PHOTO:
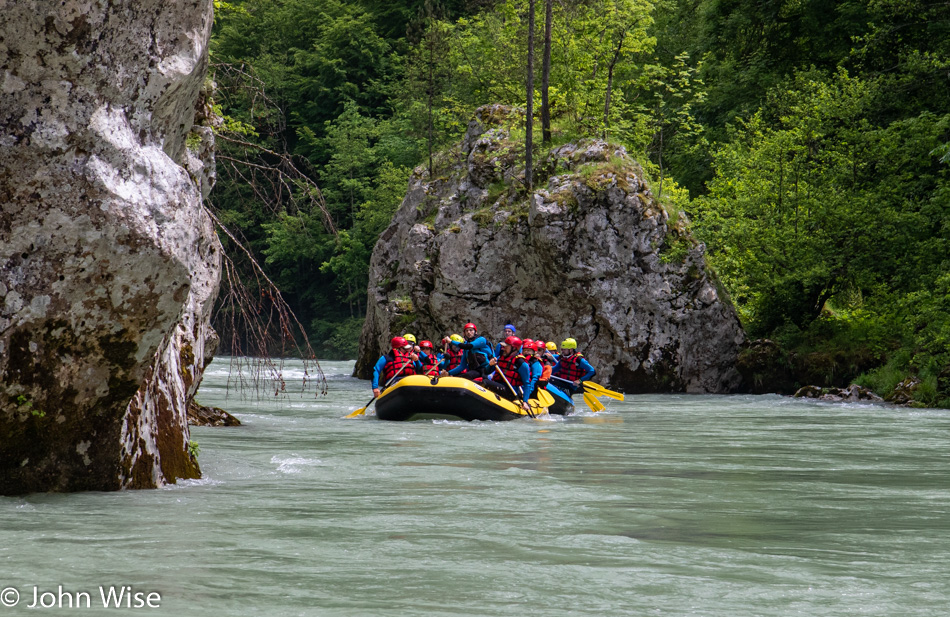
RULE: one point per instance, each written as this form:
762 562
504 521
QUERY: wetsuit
475 357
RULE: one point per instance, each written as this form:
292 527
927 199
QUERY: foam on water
293 463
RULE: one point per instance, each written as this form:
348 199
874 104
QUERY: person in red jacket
398 363
453 353
516 371
428 359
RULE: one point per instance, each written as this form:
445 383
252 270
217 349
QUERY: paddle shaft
392 379
598 390
565 380
510 387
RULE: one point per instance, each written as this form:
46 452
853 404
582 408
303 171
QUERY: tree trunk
529 120
431 92
546 75
610 81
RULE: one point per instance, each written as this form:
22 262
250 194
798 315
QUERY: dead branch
261 330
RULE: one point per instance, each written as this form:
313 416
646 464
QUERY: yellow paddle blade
538 409
545 398
361 410
599 390
357 413
593 403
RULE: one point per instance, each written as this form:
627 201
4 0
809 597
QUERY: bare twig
254 321
260 329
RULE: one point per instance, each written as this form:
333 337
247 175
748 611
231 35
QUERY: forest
807 142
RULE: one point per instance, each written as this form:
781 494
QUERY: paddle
598 389
508 383
545 398
362 410
593 403
595 388
538 408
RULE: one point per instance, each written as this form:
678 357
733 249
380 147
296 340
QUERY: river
674 505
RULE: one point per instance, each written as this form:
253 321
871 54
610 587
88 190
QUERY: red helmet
528 342
529 346
514 341
470 325
398 342
425 345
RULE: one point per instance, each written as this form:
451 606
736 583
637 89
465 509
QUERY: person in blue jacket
509 331
518 381
477 352
572 368
529 351
396 364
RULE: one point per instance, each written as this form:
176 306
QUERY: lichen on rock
105 248
582 255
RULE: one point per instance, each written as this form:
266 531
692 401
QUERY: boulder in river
904 392
108 262
590 253
200 415
852 394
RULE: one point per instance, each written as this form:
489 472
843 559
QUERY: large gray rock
590 254
108 262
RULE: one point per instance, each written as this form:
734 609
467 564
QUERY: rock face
590 254
108 262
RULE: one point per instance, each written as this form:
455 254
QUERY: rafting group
468 378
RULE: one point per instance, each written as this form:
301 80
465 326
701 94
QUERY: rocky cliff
108 262
589 254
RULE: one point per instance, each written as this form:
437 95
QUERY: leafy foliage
808 142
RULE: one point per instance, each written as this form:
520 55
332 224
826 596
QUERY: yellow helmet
409 338
569 344
552 346
456 338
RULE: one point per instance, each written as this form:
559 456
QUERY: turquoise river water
675 505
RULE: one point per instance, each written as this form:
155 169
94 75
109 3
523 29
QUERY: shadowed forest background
806 141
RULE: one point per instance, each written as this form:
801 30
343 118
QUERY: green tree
811 199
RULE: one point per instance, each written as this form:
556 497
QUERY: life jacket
509 366
395 360
569 369
430 364
454 356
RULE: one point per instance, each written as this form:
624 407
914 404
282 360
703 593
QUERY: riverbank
896 375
